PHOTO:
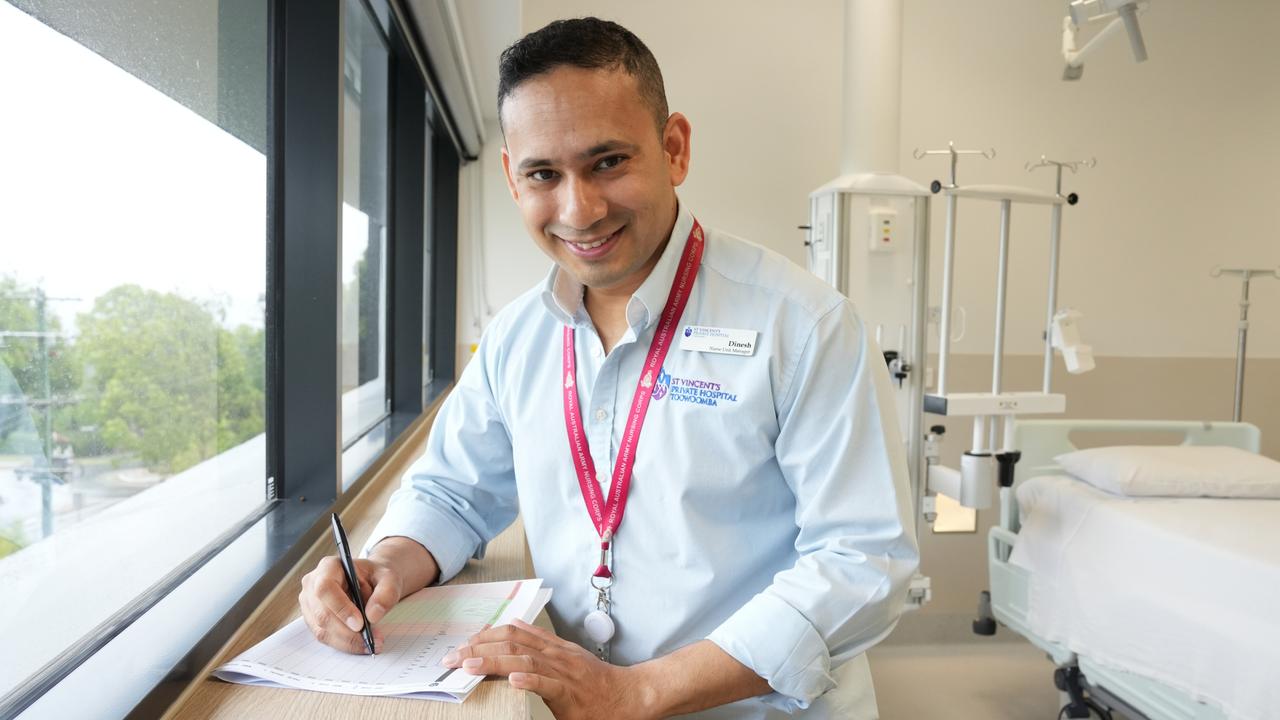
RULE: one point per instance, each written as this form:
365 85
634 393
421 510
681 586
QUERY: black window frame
303 403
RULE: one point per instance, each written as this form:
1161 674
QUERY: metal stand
1246 275
990 460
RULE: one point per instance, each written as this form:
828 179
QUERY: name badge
726 341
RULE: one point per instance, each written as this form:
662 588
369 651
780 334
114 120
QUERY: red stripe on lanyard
606 514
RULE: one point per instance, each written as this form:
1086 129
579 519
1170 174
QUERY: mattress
1185 591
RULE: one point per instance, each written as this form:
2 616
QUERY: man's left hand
573 682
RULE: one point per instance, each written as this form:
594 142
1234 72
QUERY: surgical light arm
1120 13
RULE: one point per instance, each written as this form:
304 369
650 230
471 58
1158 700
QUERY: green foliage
21 357
11 539
167 382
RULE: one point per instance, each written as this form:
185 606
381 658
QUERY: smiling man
737 557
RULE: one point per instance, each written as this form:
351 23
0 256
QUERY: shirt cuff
443 536
780 645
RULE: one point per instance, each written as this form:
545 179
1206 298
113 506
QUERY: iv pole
1246 274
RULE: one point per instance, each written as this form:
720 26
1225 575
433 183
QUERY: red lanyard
606 513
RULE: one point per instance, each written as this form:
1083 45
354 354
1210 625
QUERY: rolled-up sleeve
461 493
841 453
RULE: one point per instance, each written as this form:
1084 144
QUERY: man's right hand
327 608
395 567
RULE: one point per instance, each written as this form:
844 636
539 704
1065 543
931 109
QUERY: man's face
594 180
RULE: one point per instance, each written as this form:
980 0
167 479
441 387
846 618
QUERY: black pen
353 582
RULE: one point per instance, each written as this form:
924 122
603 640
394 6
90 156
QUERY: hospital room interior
1166 158
1057 219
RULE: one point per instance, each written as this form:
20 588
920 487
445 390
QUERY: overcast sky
107 181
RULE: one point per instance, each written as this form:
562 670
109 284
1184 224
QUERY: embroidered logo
691 390
664 382
688 331
647 381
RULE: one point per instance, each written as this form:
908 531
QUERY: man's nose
581 205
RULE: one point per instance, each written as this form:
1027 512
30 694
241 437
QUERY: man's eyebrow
607 146
528 163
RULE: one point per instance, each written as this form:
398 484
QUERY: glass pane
364 224
133 240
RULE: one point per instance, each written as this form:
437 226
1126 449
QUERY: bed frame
1040 441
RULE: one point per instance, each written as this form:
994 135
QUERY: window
132 292
172 263
365 140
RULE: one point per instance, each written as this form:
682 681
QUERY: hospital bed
1097 630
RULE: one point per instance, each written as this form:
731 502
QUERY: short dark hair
589 43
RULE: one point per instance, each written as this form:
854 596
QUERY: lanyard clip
602 578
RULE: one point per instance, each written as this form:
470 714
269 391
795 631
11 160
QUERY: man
767 538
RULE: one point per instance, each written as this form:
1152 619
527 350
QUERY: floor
964 681
959 681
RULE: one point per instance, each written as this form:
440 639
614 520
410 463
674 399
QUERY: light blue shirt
769 509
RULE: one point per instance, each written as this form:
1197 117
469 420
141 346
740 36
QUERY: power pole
44 469
46 477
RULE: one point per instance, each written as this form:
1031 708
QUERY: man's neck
608 313
607 307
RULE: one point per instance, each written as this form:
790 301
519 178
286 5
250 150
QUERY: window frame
227 581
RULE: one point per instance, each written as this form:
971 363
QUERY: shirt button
596 351
602 414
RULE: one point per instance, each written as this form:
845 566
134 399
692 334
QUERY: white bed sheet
1182 590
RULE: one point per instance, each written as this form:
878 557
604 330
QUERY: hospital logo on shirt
691 390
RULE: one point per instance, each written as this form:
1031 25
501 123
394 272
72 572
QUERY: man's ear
675 146
506 170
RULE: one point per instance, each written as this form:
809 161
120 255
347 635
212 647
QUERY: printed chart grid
419 631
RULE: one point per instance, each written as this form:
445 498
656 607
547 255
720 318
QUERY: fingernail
354 623
451 659
516 678
472 663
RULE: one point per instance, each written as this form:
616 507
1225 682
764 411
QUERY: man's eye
610 162
542 175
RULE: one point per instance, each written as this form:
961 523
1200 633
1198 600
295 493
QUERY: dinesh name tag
727 341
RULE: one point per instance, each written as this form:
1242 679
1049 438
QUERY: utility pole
46 478
44 469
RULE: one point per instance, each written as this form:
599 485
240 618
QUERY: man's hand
573 682
395 564
327 608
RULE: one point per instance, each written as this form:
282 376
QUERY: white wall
1186 143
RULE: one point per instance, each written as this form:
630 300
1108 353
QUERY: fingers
385 593
332 596
328 611
535 630
332 632
551 689
511 633
504 664
474 651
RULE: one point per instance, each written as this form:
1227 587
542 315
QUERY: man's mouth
592 247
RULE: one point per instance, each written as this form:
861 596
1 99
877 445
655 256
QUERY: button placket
604 395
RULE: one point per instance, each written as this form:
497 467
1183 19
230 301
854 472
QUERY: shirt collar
562 294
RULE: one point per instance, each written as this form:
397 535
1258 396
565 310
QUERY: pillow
1176 471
